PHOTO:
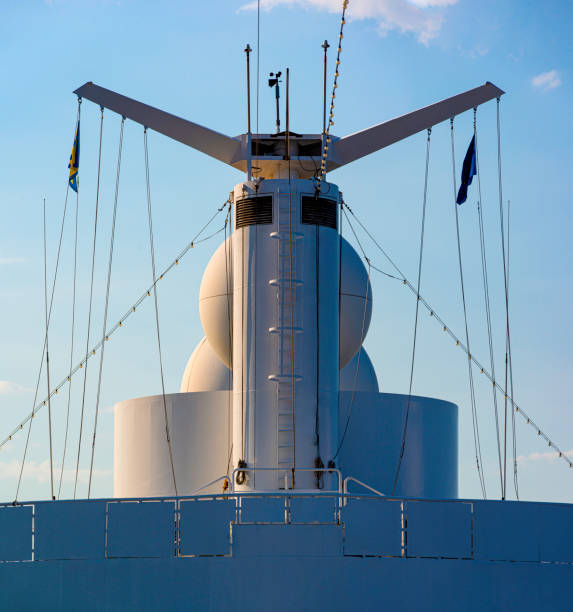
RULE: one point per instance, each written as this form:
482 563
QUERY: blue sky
187 58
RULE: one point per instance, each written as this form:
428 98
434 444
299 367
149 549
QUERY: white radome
205 371
216 302
355 314
363 381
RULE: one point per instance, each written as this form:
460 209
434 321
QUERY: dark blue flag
469 170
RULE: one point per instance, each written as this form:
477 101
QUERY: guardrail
287 484
356 525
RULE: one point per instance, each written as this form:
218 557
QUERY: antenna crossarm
353 147
214 144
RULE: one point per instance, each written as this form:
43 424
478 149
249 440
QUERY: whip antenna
325 46
249 134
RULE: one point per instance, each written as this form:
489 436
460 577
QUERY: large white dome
216 302
355 309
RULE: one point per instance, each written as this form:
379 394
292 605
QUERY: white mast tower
285 304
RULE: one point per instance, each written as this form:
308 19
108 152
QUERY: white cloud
40 472
422 18
7 387
547 80
6 261
549 456
426 3
478 51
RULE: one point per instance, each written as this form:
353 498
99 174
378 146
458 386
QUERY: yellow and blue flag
74 164
469 170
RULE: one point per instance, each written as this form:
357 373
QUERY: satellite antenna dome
355 303
363 381
206 372
216 301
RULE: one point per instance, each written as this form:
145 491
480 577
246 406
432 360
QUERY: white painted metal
353 147
205 371
216 301
306 149
265 386
355 303
199 427
269 300
203 139
359 374
373 438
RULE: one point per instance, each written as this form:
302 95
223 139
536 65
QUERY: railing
327 471
304 522
360 483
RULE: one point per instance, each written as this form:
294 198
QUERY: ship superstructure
280 477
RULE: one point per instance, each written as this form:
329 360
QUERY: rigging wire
327 139
71 343
106 307
489 332
420 259
486 296
35 407
152 254
318 459
229 325
459 343
477 444
48 357
90 305
514 438
340 245
111 330
505 284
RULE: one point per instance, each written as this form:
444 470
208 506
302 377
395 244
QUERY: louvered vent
319 211
254 211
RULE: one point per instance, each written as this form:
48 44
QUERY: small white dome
366 379
216 301
205 371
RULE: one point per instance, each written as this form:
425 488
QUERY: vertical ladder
286 329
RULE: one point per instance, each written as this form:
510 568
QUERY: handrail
363 484
282 469
225 476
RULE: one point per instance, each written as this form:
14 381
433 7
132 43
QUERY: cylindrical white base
371 447
199 428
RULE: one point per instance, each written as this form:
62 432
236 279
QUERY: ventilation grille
254 211
319 211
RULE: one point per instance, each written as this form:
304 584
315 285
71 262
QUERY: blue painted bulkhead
286 552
